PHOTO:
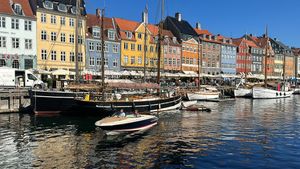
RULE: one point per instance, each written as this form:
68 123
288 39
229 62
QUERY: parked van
10 77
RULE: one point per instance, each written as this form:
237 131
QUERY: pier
13 100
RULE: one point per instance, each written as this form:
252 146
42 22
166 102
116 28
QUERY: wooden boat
204 94
127 122
264 93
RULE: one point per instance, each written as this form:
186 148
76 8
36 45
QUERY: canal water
236 134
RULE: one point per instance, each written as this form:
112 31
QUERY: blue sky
228 17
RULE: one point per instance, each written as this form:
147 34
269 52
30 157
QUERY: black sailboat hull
52 102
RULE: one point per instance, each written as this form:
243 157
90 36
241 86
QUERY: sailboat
132 103
264 92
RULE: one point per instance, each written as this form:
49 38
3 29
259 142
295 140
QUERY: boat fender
280 94
276 94
284 94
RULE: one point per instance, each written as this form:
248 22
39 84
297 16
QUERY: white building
17 34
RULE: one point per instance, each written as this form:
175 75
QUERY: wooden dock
13 100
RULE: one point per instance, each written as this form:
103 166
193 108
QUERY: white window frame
27 25
43 18
2 22
63 56
53 19
111 35
44 54
53 55
43 35
115 48
115 63
2 42
63 37
15 43
63 20
91 46
72 38
53 36
71 22
28 43
92 61
14 23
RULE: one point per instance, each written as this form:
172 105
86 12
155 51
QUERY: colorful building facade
56 29
94 44
228 55
17 34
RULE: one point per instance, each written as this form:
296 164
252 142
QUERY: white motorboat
265 93
127 122
186 104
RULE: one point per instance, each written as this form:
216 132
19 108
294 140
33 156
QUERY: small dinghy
122 122
198 108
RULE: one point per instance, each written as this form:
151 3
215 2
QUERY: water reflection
237 134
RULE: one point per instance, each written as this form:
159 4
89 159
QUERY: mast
199 64
76 41
102 54
284 69
145 43
266 55
160 38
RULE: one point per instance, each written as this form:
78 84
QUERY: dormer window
18 9
62 8
73 10
48 5
128 35
174 40
96 32
111 35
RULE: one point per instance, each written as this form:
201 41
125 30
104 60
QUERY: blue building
94 46
228 55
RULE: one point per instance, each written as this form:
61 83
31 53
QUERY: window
92 61
28 64
48 5
140 60
126 46
80 58
132 60
28 44
43 35
62 21
115 48
53 19
2 63
115 63
71 39
14 23
105 47
53 36
2 22
128 34
2 42
98 61
63 56
27 25
132 47
53 55
139 47
62 8
126 59
106 62
44 54
151 49
91 46
170 61
43 18
15 43
18 9
80 23
96 32
71 23
111 35
166 61
72 57
139 35
63 37
15 64
98 47
80 39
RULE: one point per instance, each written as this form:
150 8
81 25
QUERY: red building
243 59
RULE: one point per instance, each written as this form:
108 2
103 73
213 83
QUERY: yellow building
56 23
132 36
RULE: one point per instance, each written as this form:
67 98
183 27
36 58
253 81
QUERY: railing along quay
13 100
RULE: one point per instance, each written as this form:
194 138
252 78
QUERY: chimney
178 16
251 35
275 39
224 40
209 37
230 41
145 17
98 12
198 25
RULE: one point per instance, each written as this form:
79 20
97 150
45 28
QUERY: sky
231 18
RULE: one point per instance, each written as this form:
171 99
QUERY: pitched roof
69 4
183 26
6 7
127 25
201 32
93 20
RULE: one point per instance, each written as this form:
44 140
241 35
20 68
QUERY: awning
62 72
